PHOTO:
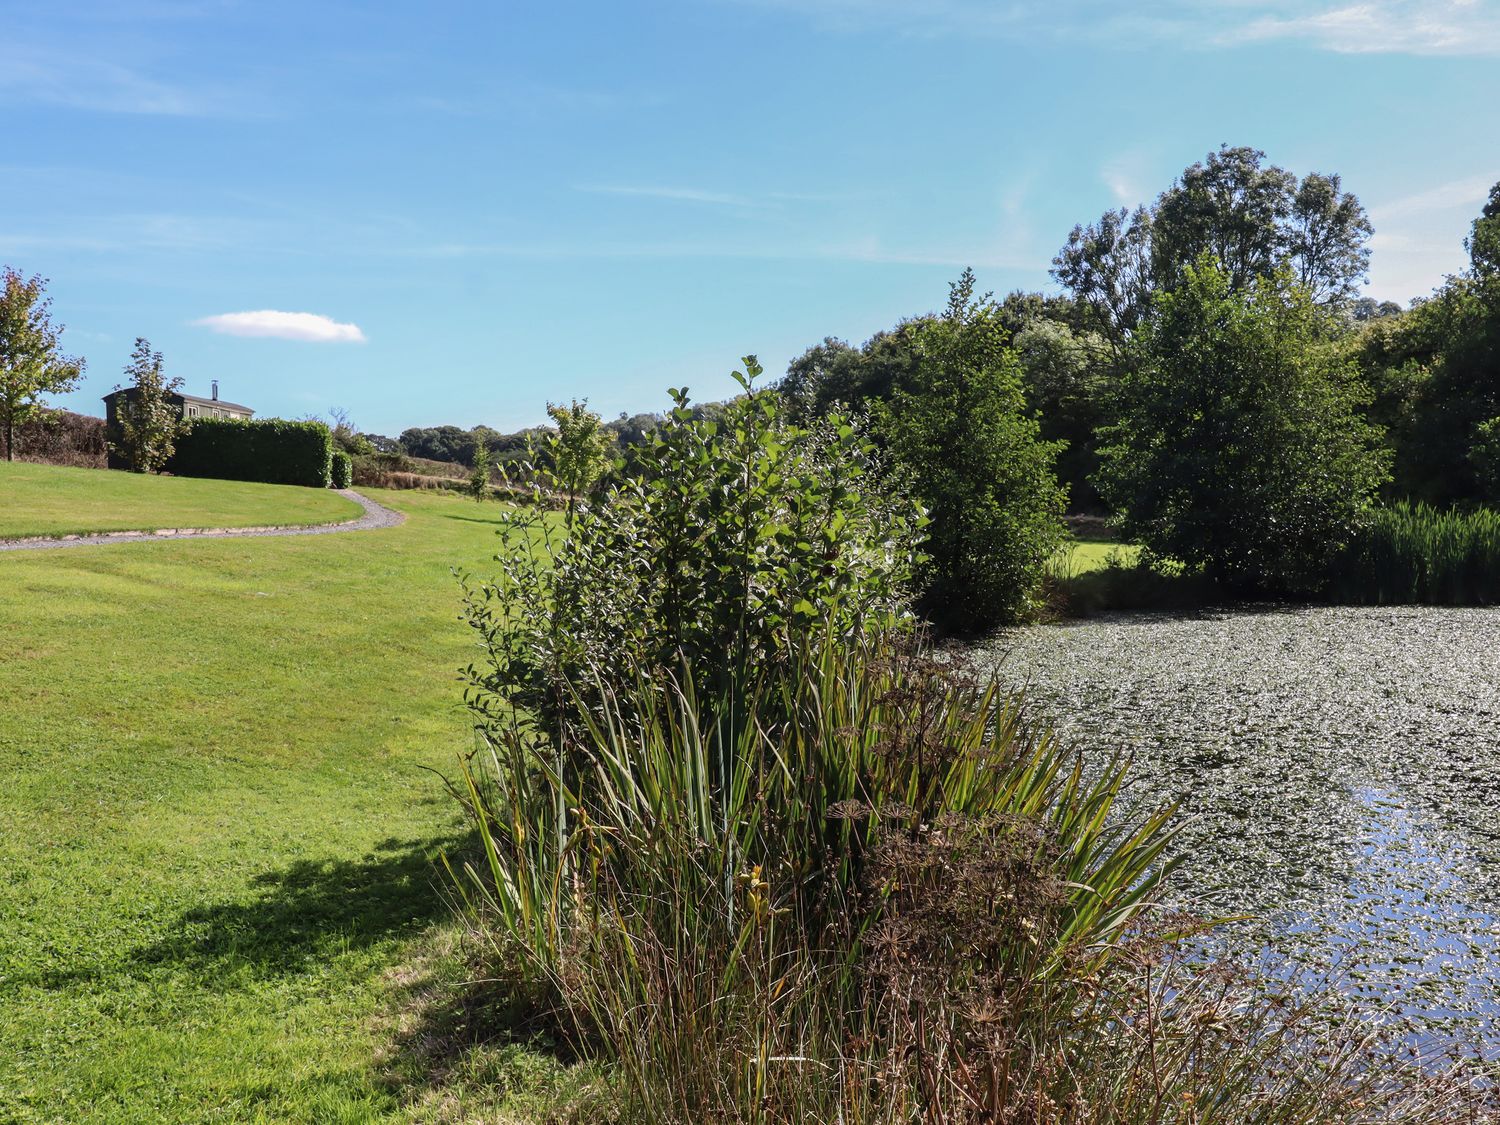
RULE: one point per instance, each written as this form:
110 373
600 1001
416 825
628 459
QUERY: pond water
1338 776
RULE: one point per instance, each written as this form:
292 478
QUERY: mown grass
216 833
51 500
1084 556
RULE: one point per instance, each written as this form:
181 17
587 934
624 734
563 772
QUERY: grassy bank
216 828
51 500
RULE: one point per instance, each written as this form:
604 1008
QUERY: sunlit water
1338 772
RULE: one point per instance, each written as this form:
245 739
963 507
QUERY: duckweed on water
1338 771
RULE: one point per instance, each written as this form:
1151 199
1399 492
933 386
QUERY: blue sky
475 208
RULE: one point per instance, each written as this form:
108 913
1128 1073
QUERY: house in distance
190 407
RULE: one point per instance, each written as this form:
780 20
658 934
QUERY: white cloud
284 326
1413 27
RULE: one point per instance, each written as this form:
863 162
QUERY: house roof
197 401
213 402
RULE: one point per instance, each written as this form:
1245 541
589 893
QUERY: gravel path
375 517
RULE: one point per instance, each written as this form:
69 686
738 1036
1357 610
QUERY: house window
192 412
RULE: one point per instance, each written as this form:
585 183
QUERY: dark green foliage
1068 380
1239 447
1433 371
1414 554
439 443
835 377
342 469
718 537
1252 218
1484 458
272 450
960 434
478 484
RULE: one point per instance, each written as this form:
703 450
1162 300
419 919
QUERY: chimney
216 390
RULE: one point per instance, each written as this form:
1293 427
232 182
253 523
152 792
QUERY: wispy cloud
1414 27
1419 237
35 74
1467 193
674 194
1407 27
868 248
271 323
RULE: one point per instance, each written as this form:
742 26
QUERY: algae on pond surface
1338 772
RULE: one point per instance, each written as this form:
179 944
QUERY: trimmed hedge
343 469
271 450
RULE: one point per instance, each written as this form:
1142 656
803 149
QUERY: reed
1415 554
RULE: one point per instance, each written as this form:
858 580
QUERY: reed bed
1415 554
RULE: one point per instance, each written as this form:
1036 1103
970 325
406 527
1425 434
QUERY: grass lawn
216 836
50 500
1082 556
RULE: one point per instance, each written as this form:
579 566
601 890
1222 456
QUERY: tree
148 423
834 375
346 435
479 479
1250 217
959 430
1433 370
1484 240
578 453
1067 378
1239 447
31 362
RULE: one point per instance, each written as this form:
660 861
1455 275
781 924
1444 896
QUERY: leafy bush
719 541
1415 554
959 430
342 469
271 450
1239 447
1484 459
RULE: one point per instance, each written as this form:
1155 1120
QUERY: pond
1338 777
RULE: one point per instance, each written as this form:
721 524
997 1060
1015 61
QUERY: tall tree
1251 217
31 359
1434 369
959 429
1240 447
149 423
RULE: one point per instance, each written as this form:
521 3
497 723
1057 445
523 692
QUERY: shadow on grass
470 1034
298 918
493 521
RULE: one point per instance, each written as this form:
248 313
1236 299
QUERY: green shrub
1414 554
768 860
1240 449
271 450
719 542
958 427
342 469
